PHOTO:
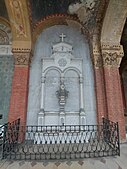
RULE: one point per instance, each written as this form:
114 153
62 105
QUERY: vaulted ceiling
85 10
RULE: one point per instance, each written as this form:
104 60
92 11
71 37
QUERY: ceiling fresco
43 8
85 10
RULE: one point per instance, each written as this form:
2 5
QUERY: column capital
80 79
22 56
112 55
43 79
111 59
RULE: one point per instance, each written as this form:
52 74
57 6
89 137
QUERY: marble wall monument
68 69
61 88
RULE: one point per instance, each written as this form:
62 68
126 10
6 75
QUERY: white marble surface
43 48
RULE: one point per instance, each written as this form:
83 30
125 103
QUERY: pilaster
112 56
99 83
19 95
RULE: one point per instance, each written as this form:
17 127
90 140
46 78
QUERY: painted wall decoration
6 71
6 74
5 35
85 10
43 8
19 21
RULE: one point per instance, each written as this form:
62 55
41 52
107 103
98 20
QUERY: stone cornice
21 50
114 47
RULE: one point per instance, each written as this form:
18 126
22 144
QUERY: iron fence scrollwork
111 134
2 130
61 141
10 137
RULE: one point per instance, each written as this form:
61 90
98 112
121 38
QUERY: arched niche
72 65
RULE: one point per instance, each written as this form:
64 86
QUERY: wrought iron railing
1 134
61 142
10 137
111 134
1 140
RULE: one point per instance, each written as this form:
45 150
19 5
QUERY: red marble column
99 84
19 94
114 97
100 94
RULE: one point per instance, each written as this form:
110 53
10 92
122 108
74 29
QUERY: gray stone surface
118 162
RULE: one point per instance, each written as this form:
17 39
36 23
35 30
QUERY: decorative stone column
19 94
41 114
82 111
81 93
99 84
112 56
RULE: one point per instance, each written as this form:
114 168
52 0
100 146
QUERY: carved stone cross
62 36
